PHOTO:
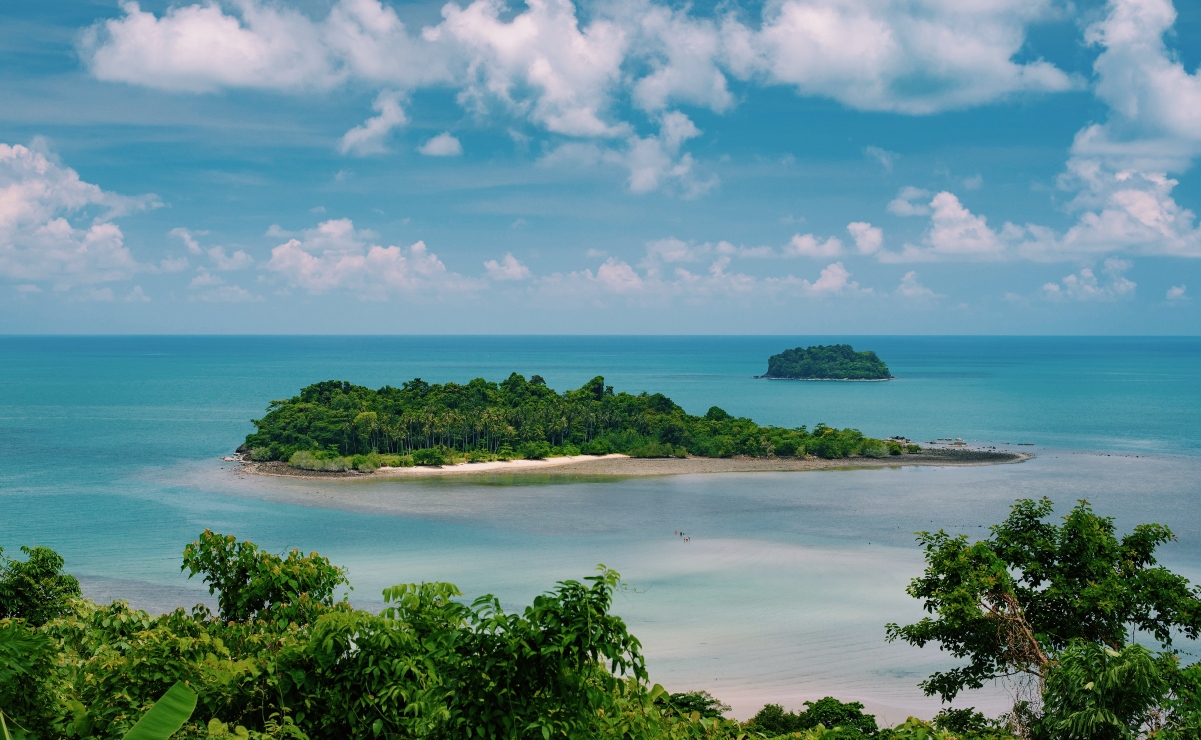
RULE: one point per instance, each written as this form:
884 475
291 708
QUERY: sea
111 453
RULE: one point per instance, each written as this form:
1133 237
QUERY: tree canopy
827 362
521 418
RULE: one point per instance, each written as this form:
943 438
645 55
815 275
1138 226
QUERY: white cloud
369 137
205 279
1177 293
918 57
834 279
136 296
911 288
239 260
1154 104
336 256
510 268
883 156
683 55
807 245
956 233
1084 286
868 238
903 204
188 239
37 241
442 145
198 48
654 162
541 63
172 264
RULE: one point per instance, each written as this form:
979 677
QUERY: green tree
1010 603
35 589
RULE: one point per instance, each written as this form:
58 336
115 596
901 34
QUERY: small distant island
826 362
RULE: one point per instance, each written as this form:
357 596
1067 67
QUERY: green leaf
166 716
377 727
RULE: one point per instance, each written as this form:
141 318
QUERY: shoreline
624 466
833 380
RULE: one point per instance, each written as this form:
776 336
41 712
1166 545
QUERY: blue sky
621 166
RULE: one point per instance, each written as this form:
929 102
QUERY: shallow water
110 453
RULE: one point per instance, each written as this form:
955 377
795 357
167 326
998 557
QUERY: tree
1011 603
35 589
253 583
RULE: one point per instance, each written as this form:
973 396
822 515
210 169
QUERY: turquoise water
110 452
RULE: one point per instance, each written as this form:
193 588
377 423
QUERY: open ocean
110 453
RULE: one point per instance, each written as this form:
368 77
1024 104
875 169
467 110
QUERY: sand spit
623 466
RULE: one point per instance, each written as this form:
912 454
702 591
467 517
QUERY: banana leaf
166 716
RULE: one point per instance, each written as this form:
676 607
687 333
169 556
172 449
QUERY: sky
602 166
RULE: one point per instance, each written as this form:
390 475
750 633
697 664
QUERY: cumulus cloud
510 268
200 48
916 58
868 238
568 70
239 260
442 145
336 256
1177 293
654 162
1154 120
911 288
545 64
38 242
1084 286
369 137
807 245
904 205
955 233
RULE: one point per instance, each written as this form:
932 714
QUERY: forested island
827 362
335 426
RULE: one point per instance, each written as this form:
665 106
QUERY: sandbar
624 466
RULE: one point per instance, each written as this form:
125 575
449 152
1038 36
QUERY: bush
829 712
396 461
533 450
913 449
657 449
597 447
367 463
701 702
260 454
431 456
894 448
316 460
478 456
505 453
874 448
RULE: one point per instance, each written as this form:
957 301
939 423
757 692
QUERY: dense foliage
284 658
335 425
827 362
1053 607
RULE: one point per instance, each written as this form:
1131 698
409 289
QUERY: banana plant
167 715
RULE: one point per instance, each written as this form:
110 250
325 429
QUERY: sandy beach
623 466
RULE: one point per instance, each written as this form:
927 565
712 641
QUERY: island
826 362
336 427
